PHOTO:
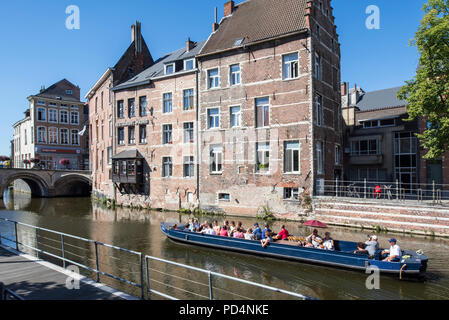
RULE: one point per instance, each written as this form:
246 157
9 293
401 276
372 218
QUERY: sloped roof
256 20
59 90
128 154
158 68
381 99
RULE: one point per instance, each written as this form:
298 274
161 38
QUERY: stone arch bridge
48 183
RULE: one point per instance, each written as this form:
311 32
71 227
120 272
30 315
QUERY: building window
224 197
64 136
262 112
63 116
188 132
167 137
131 108
378 123
132 135
318 33
53 135
188 99
32 135
75 137
337 155
121 136
167 102
41 114
189 64
290 63
320 157
291 194
120 109
213 79
370 147
52 104
143 106
143 134
69 92
216 159
170 68
41 103
25 136
109 155
110 128
236 117
189 167
167 167
291 157
235 74
263 157
74 117
319 110
318 72
213 118
53 115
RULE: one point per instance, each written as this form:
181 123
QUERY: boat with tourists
413 264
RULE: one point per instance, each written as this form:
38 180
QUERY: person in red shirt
283 234
378 192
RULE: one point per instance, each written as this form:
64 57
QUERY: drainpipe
197 133
112 93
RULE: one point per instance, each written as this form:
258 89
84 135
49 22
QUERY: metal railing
7 294
51 246
380 190
146 273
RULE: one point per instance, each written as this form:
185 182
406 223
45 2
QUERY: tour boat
413 263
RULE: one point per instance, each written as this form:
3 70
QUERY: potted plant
64 162
35 161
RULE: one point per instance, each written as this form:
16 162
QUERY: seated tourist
239 225
267 238
208 230
394 254
224 231
190 226
265 230
283 234
216 227
257 232
313 237
309 243
239 233
249 235
196 224
232 227
328 242
361 249
372 246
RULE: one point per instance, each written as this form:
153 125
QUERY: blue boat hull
343 257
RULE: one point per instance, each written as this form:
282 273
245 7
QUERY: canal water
139 231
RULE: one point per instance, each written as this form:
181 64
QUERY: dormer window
189 64
169 68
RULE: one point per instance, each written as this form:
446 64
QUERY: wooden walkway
34 279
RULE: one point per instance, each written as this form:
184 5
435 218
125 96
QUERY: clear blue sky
37 49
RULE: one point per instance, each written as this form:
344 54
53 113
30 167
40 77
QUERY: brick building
52 129
101 101
381 146
269 118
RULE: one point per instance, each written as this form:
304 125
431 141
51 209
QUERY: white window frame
192 107
258 125
131 140
60 136
239 73
298 149
75 133
170 162
208 77
163 134
290 69
168 65
191 163
69 92
263 150
41 103
216 150
318 66
61 112
185 64
237 115
185 131
294 194
143 141
163 103
44 135
209 127
57 136
57 116
44 113
120 142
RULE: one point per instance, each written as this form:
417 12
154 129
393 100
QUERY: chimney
228 8
42 89
215 25
344 88
136 36
189 45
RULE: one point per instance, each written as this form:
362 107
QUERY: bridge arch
38 186
73 185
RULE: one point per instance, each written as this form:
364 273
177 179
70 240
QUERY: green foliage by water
427 94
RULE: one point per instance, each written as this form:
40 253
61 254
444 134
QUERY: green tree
427 93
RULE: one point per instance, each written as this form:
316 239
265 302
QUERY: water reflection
139 231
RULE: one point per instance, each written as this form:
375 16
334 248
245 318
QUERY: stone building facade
270 118
52 129
249 118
